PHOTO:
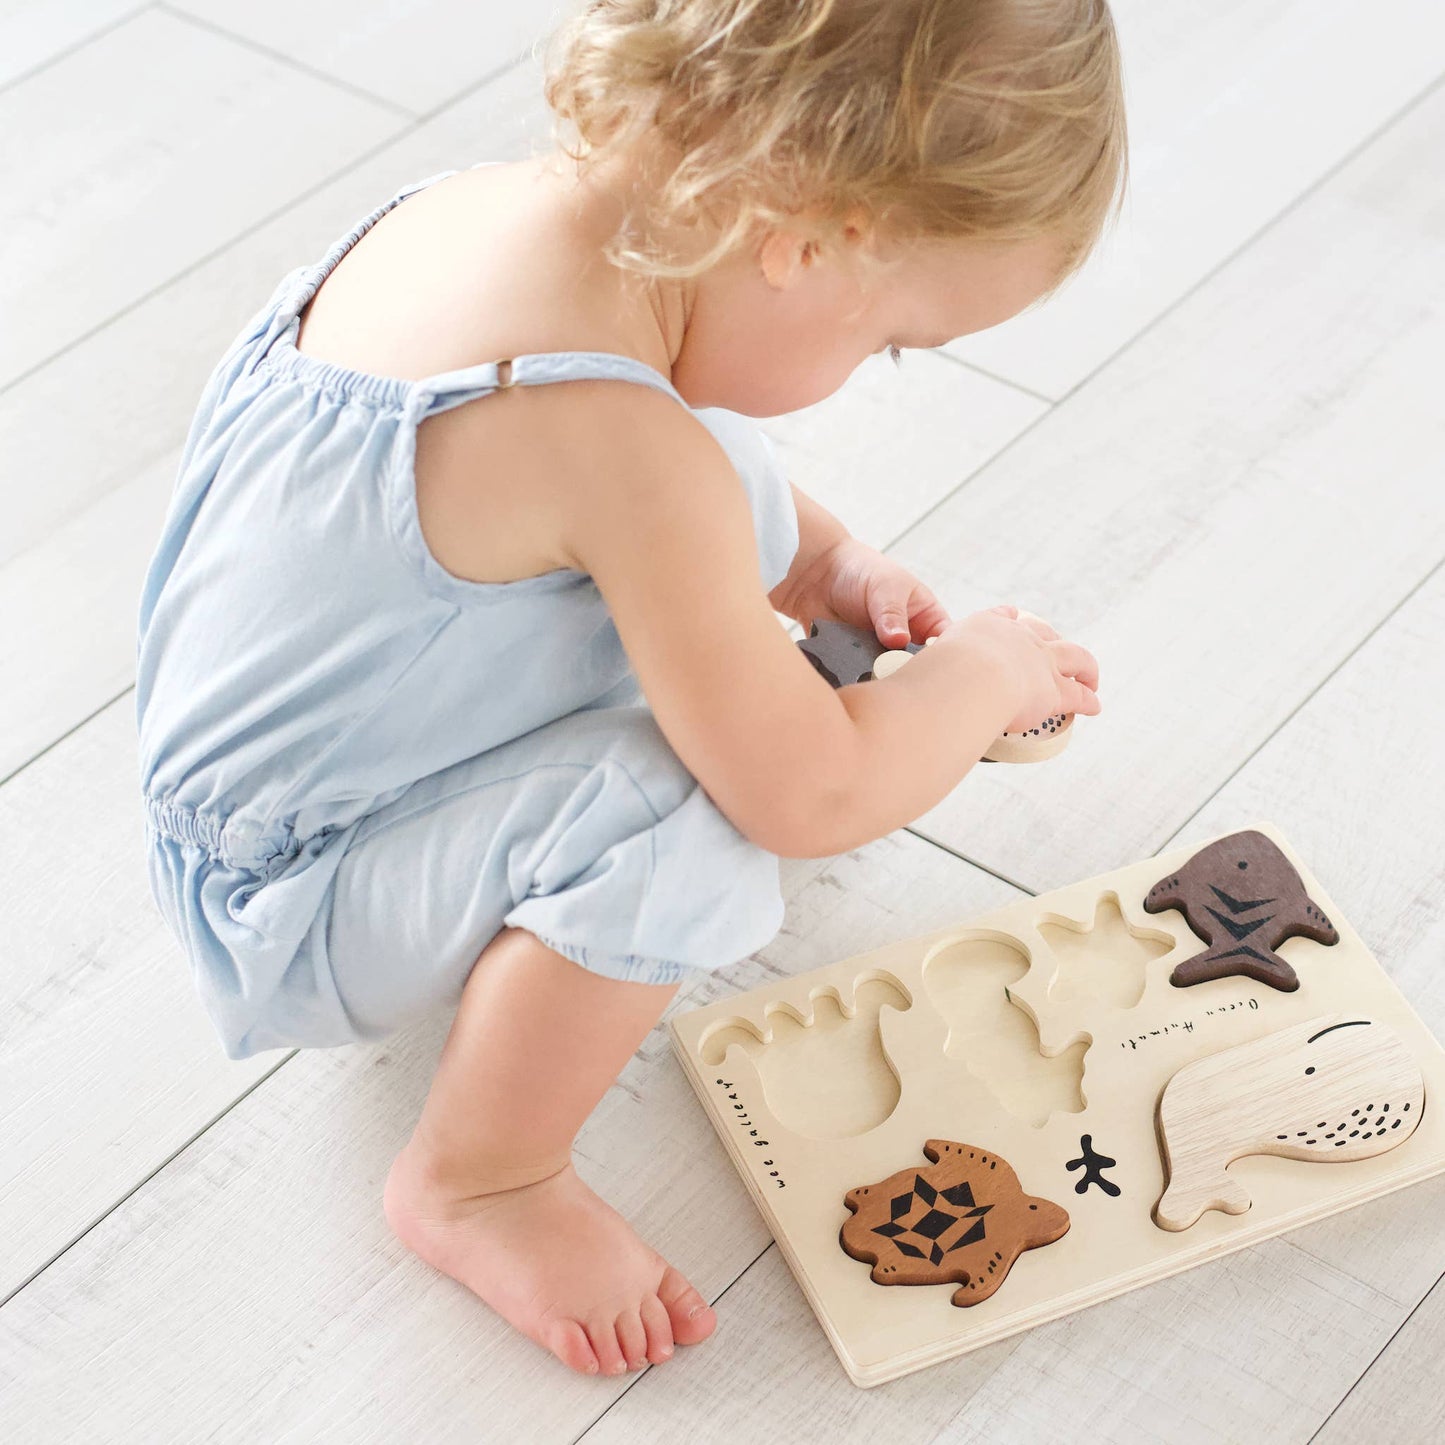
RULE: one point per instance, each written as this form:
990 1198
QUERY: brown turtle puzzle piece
1242 896
962 1220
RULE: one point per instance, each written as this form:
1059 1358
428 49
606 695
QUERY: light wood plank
770 1374
416 53
1235 110
1240 1350
1399 1399
1222 515
133 157
892 442
1357 783
33 32
107 1063
70 607
289 1328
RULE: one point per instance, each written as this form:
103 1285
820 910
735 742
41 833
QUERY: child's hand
1045 674
861 586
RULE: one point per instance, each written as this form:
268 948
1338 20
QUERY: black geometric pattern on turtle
932 1227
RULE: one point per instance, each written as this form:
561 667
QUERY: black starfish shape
1093 1164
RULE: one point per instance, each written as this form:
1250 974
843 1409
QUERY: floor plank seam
66 51
1313 692
1261 231
971 861
245 41
642 1374
146 1179
1376 1358
1255 236
204 260
978 370
273 215
69 732
506 69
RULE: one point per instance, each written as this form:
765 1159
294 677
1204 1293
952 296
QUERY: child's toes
659 1329
632 1338
603 1337
568 1341
692 1317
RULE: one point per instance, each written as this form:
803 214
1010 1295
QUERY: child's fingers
928 619
1080 699
1038 626
890 621
1076 662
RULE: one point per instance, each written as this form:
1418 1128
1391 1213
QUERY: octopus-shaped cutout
964 1220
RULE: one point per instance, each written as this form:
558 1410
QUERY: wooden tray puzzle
1030 1050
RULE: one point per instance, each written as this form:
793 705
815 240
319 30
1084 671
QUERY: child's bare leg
485 1190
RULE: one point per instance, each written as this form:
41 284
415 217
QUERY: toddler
460 682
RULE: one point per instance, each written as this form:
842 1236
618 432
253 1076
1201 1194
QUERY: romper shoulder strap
451 388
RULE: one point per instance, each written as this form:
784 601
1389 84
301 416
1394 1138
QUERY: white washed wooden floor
1217 459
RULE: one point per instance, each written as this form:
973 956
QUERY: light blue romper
356 766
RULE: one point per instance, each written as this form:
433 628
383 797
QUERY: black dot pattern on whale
1243 897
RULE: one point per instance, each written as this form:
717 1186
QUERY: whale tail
1187 1198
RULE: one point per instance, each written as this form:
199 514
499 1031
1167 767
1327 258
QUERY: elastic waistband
235 842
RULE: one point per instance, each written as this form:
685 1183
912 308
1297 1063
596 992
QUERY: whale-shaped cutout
1106 959
827 1078
968 980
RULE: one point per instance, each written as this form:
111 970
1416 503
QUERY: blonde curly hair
997 119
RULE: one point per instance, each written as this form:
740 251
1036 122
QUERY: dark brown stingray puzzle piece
962 1220
1242 896
843 653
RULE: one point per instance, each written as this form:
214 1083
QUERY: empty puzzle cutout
968 981
828 1079
1106 959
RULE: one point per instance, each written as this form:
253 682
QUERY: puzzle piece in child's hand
1243 897
963 1220
1033 746
844 654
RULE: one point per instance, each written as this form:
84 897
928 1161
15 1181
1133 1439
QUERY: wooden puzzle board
1018 1033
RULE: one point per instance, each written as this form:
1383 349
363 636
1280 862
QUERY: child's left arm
836 577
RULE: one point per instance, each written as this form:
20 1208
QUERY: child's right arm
663 526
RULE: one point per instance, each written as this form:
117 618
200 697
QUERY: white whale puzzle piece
1335 1089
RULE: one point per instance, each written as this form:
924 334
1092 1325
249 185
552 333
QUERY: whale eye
1243 864
1310 1070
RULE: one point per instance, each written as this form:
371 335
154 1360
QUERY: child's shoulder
475 268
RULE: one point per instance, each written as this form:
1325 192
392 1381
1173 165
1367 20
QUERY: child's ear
784 256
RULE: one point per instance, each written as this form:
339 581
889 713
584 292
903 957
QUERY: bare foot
558 1263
